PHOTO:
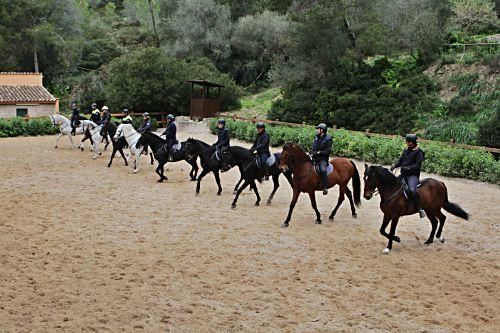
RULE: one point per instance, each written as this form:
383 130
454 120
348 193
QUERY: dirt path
85 248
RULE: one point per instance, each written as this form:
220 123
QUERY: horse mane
384 175
201 143
155 138
298 148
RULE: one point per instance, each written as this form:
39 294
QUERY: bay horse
433 196
159 148
306 179
250 171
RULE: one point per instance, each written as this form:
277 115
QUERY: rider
321 149
170 132
75 118
223 135
261 147
128 118
146 126
410 162
105 119
95 114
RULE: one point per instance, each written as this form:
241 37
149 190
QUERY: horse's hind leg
339 202
112 156
152 159
349 196
57 138
434 223
312 196
276 184
194 170
160 170
442 219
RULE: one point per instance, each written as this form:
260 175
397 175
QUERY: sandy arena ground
84 248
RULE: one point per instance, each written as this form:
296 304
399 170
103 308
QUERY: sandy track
85 248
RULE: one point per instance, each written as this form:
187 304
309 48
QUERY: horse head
227 159
376 177
119 132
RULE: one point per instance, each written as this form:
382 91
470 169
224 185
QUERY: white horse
131 136
64 125
95 134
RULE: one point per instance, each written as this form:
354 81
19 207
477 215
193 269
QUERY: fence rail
368 133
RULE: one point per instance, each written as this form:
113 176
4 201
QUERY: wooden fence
370 134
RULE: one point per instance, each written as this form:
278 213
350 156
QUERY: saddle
406 188
329 169
270 161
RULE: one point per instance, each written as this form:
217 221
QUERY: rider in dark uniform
410 162
105 119
128 118
223 137
170 133
261 147
95 114
75 118
321 149
146 126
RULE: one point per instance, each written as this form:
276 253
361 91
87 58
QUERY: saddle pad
329 169
177 147
271 160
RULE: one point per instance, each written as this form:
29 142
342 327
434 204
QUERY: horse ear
366 166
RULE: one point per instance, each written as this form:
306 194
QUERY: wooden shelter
205 103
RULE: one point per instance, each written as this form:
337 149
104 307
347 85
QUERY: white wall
9 111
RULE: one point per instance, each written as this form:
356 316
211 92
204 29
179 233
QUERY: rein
394 194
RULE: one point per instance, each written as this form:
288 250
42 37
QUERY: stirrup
421 213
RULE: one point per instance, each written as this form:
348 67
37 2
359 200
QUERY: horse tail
453 208
356 185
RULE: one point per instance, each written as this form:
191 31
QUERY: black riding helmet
125 111
221 121
171 117
411 138
323 127
260 125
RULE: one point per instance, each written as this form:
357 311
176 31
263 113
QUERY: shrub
18 126
440 159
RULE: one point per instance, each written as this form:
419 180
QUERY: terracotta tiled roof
25 94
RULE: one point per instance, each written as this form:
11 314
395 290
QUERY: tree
474 16
200 28
258 40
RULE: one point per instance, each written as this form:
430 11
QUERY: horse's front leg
194 170
295 196
392 233
217 180
138 153
238 184
312 196
385 222
123 156
276 184
112 156
203 173
71 141
57 138
245 184
96 150
254 186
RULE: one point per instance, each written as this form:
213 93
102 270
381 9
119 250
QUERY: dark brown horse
305 179
433 196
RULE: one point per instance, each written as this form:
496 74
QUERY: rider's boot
418 204
324 182
73 131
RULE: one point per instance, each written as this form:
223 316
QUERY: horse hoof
354 215
386 251
218 193
428 242
331 218
109 165
284 225
94 157
318 222
81 149
441 239
233 206
126 164
268 202
257 204
55 147
397 239
135 171
160 181
197 193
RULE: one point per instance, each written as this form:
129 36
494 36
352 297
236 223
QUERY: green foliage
439 159
18 126
258 105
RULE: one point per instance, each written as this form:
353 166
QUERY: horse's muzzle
368 196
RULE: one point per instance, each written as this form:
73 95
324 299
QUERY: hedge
439 159
18 126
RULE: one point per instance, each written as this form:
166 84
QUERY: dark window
21 112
